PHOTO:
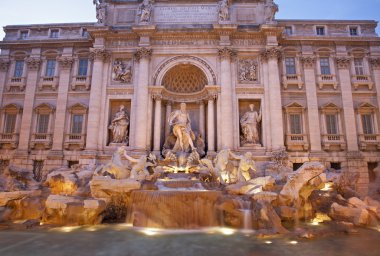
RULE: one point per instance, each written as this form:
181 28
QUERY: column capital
212 96
65 62
375 63
308 61
143 53
4 65
157 97
226 53
99 54
272 53
343 62
33 63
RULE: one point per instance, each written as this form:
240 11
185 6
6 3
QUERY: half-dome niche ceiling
184 78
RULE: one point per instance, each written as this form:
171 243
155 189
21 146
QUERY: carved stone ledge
308 61
226 53
375 62
343 62
99 54
272 53
4 65
143 53
65 62
33 63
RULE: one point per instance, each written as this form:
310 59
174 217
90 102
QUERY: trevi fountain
214 174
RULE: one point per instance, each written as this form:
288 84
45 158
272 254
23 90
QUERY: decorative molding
65 62
343 62
143 53
4 65
33 63
226 53
199 60
99 54
308 61
375 62
272 53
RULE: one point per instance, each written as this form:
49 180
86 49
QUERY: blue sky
14 12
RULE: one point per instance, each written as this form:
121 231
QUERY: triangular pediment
12 106
330 105
366 105
294 105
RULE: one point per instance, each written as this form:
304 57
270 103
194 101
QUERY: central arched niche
184 78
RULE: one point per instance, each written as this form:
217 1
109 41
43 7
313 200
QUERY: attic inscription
186 14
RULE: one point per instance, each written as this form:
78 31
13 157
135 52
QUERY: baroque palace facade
73 93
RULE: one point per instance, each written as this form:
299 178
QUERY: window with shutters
367 123
83 67
359 66
50 68
290 64
325 66
77 124
43 123
332 124
10 123
295 123
19 68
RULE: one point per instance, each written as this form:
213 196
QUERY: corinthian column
375 63
157 123
211 123
343 64
202 119
226 125
4 65
274 91
65 64
33 65
312 103
100 56
142 99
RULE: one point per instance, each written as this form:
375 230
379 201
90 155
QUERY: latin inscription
186 14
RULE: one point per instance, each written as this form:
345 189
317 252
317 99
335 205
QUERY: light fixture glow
268 242
227 231
293 242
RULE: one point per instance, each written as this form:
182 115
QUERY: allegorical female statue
224 14
119 126
270 11
180 121
145 10
250 126
101 11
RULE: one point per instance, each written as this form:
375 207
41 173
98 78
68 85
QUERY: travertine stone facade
316 83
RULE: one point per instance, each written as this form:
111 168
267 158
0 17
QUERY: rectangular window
332 124
10 123
50 68
320 31
76 124
19 68
325 66
83 66
367 122
43 123
54 33
37 169
290 64
353 31
295 124
24 34
288 31
359 66
84 32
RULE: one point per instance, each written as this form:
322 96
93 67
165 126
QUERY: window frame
50 69
320 28
325 69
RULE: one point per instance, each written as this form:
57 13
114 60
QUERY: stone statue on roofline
270 10
224 10
101 11
145 11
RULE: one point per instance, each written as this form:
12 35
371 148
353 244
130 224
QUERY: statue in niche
119 126
250 126
247 71
145 10
224 12
270 11
101 11
179 121
122 71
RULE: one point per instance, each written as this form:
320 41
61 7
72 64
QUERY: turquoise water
123 240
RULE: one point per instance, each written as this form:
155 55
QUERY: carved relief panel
122 71
248 71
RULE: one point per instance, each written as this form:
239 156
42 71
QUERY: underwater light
328 187
293 242
67 229
150 231
227 231
268 242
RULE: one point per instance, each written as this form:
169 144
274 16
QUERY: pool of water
123 240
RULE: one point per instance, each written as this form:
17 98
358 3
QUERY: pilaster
4 66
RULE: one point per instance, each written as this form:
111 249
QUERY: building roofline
50 25
326 20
